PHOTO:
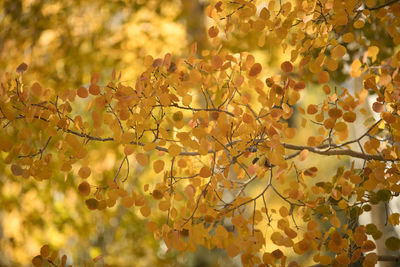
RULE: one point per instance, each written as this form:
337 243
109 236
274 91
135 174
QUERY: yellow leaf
174 150
323 77
283 211
358 24
348 37
331 64
164 205
142 159
232 250
145 211
339 51
373 52
149 147
186 100
158 166
394 219
355 69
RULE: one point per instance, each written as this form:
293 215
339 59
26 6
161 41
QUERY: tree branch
342 152
387 258
382 6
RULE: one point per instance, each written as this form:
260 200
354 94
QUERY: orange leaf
303 154
84 188
287 66
378 107
45 251
255 69
205 172
216 62
323 77
82 92
213 31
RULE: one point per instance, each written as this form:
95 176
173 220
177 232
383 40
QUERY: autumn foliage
221 135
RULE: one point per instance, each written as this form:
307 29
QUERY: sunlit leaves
394 219
356 68
373 52
211 144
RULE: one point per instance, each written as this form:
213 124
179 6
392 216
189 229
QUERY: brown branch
332 152
387 258
197 203
40 152
342 152
200 109
170 185
383 5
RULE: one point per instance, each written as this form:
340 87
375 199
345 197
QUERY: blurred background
63 43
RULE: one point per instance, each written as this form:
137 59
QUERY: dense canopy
158 130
